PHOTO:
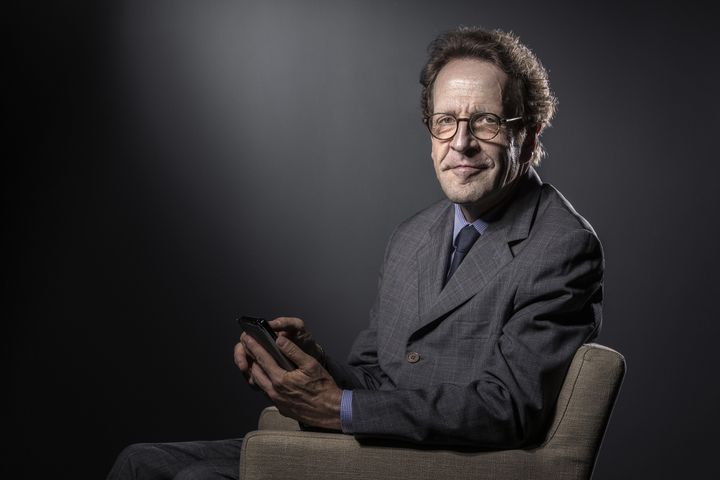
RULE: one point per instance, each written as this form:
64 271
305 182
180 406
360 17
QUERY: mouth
466 169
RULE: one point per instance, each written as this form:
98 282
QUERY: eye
486 119
443 120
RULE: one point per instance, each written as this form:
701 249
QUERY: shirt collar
461 223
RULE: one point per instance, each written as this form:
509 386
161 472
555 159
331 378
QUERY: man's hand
294 329
289 327
308 394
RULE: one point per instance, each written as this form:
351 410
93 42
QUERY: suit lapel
489 254
432 258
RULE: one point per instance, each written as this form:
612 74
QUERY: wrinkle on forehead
491 86
469 82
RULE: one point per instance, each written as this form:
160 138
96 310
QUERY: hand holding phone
259 330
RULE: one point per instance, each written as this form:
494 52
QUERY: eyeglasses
483 126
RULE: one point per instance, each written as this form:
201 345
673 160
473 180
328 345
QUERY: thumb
294 353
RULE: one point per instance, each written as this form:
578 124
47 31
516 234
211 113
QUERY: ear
529 143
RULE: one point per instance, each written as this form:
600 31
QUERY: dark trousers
179 461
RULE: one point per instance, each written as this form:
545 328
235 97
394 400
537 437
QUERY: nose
462 139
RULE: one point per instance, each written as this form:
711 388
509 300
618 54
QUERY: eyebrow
485 110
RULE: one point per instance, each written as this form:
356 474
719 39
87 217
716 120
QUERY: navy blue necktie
465 240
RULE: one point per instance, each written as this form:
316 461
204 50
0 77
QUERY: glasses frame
500 123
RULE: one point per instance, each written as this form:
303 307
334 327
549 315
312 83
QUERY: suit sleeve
556 308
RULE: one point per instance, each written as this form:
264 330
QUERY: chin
465 193
465 198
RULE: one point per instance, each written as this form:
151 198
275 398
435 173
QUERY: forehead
469 85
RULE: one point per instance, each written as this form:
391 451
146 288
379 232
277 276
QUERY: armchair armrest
298 455
272 419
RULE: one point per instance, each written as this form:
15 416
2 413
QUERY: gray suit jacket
481 360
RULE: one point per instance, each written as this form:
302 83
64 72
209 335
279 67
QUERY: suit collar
491 252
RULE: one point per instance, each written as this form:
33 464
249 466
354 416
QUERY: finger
243 338
261 380
244 363
250 380
261 356
295 354
239 357
287 324
242 357
244 341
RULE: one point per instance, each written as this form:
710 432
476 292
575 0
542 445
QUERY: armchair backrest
583 409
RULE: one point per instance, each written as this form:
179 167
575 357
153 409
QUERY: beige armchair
278 450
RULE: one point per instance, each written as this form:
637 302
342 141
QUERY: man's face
473 172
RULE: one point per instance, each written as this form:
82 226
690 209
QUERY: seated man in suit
483 297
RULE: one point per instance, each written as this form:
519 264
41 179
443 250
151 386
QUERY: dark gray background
172 164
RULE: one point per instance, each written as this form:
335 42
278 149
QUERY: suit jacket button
413 357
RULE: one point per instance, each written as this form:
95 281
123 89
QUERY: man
482 299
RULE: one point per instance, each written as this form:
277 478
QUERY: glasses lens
485 125
442 126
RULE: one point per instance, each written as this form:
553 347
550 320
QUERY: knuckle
281 383
277 383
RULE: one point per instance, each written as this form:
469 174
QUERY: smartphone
258 328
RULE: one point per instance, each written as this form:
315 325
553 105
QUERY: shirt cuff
346 411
